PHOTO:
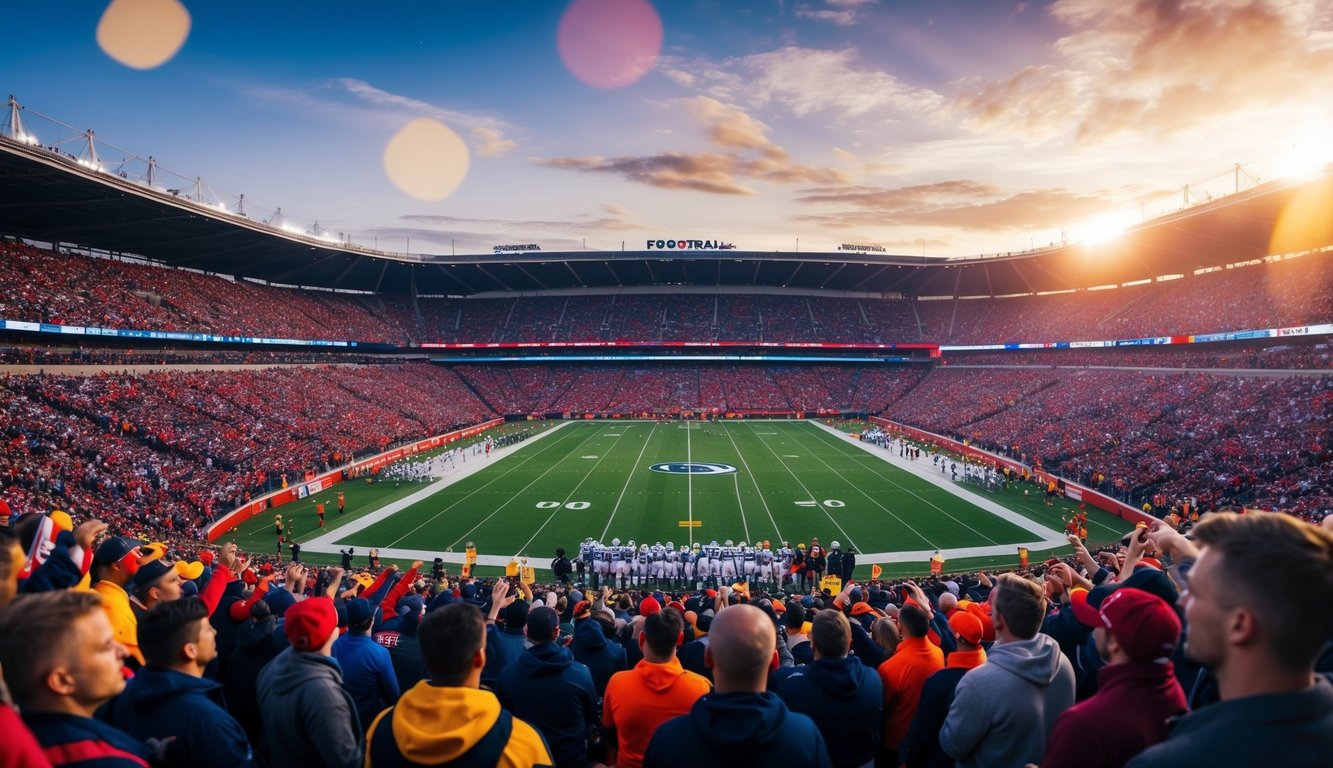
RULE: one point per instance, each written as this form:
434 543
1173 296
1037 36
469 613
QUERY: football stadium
524 442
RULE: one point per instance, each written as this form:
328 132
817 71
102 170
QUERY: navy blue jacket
367 674
554 693
730 729
601 656
160 703
85 742
844 697
921 747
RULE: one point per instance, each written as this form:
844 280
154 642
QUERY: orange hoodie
639 700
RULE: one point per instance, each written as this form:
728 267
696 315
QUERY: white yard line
804 488
753 482
652 430
327 543
1051 538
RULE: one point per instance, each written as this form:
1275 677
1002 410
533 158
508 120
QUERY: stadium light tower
14 125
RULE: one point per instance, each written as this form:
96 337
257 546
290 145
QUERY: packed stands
44 286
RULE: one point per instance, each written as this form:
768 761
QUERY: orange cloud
1163 67
962 204
719 173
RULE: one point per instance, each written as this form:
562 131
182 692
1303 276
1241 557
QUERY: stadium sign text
851 247
689 245
514 248
693 468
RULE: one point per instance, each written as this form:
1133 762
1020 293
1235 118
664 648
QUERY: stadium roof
50 197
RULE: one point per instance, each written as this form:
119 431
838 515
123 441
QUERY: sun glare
1104 228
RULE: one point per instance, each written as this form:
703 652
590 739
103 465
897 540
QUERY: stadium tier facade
1185 360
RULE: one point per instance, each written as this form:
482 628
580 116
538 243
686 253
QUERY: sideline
328 543
1051 537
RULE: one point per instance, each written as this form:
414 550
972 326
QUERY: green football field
683 482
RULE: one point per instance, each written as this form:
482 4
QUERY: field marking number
566 505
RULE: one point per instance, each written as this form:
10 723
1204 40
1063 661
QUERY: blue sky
946 127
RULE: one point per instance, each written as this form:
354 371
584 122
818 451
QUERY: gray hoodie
1004 710
309 719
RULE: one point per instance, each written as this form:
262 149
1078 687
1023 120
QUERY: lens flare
609 43
1304 223
143 33
426 159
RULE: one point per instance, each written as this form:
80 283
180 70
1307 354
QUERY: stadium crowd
1212 648
74 289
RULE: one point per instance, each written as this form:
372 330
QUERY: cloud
1160 67
488 142
608 217
960 203
845 14
752 157
375 104
804 81
841 18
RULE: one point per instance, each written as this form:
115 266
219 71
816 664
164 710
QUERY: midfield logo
693 468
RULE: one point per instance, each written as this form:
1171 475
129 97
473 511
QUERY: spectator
366 668
114 565
844 697
170 700
1003 711
448 718
657 689
1256 606
904 673
155 581
741 722
403 645
257 643
546 687
921 748
309 719
61 662
593 647
1135 633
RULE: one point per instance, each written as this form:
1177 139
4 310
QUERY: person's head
543 625
948 602
1130 625
661 632
967 630
360 616
794 618
59 652
741 648
1018 605
117 560
1259 592
311 625
453 645
885 634
176 634
156 581
11 564
913 621
830 635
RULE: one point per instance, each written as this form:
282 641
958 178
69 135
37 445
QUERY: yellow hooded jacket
435 725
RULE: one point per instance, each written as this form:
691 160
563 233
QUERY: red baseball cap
1142 623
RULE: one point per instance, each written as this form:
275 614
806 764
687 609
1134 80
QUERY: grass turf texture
594 479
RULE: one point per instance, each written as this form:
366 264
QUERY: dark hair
1021 602
1262 558
913 621
794 618
167 626
7 539
35 629
663 630
449 637
831 634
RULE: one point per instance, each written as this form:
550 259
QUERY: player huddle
665 566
